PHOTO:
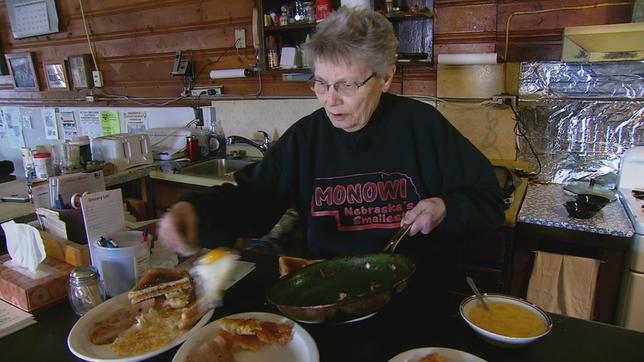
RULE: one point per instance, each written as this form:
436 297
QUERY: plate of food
435 354
250 337
158 314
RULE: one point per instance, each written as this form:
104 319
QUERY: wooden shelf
297 26
403 15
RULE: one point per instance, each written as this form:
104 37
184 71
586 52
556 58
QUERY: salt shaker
84 289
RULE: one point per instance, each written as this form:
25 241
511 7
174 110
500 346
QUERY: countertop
544 205
14 210
189 179
17 210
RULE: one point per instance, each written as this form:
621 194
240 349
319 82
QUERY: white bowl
497 339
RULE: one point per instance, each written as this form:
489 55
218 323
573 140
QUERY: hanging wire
89 42
520 130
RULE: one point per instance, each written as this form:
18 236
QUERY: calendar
32 17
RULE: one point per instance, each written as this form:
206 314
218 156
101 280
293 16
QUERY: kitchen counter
131 174
14 210
189 179
544 205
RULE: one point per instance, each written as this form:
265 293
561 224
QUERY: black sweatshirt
352 189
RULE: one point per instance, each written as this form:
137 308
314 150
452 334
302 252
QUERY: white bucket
120 268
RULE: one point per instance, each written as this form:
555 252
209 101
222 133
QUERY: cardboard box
65 250
29 294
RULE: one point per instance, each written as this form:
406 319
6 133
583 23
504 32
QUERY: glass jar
84 289
309 12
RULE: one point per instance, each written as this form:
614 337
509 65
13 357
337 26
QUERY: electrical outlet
98 78
240 38
207 91
505 99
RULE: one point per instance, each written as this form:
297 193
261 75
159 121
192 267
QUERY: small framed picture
56 74
79 69
23 73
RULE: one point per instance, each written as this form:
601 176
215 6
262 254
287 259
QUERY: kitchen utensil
323 292
581 210
599 201
472 285
390 247
341 289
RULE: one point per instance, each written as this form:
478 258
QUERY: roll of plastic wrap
462 59
356 3
230 73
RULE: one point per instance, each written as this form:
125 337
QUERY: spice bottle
271 46
84 290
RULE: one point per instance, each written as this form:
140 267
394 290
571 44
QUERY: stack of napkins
13 319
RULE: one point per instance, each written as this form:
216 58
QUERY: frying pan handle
390 247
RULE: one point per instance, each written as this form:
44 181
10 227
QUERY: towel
563 284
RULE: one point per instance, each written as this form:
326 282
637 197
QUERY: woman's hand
177 229
425 216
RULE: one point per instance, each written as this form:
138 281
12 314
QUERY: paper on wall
89 124
135 122
68 123
14 130
51 126
110 122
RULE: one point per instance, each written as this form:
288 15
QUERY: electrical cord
520 130
172 134
89 42
210 62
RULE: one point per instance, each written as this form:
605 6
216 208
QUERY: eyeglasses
344 87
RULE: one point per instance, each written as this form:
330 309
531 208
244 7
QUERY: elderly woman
355 169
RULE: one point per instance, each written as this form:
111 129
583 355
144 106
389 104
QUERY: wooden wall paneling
136 41
538 36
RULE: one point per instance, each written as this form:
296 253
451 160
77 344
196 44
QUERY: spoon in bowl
472 285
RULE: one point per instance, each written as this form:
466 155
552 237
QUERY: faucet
261 146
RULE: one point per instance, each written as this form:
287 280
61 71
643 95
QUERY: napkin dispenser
123 150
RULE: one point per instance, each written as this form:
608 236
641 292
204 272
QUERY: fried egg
213 272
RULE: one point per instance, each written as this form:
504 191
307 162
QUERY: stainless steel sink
218 168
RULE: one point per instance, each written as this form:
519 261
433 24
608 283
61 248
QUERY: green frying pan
341 289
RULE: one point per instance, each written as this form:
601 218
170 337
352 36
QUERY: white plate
301 348
80 345
451 355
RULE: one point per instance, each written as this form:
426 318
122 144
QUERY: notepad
13 319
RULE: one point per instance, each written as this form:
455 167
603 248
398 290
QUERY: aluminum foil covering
580 118
582 80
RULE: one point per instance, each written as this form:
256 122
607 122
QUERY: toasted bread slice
160 281
238 342
251 332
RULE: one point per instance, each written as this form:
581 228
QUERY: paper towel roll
230 73
473 58
356 3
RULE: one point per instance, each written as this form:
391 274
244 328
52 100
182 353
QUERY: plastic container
43 164
121 267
